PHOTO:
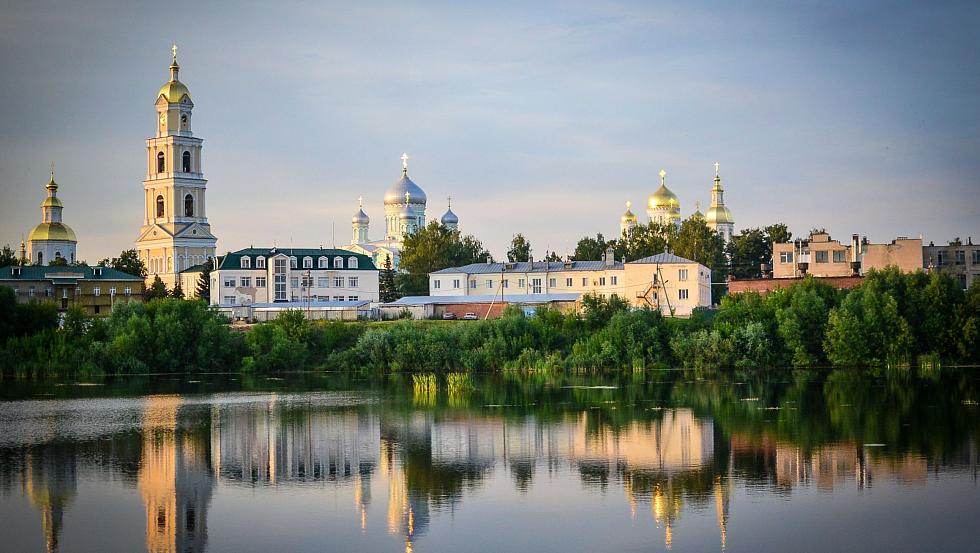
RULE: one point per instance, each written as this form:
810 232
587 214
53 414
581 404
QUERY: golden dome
173 91
628 217
52 231
52 201
719 214
663 197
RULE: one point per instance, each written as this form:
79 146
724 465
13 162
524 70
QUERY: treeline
891 319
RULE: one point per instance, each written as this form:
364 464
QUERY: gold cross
360 201
662 175
174 50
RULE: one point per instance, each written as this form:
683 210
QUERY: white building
255 276
664 281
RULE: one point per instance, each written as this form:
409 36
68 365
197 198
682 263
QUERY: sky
541 118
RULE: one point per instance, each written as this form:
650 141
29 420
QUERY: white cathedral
404 207
664 207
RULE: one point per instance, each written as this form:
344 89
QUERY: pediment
154 232
195 230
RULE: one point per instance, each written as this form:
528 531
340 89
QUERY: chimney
765 270
610 257
489 260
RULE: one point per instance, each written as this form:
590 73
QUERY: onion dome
719 214
52 231
628 217
697 212
449 218
396 194
663 197
174 90
360 218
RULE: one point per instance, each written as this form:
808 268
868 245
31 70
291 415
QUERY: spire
174 66
51 184
404 163
360 202
717 176
449 202
662 175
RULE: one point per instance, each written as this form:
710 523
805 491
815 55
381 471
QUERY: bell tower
175 234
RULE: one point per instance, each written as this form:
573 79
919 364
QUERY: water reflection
660 457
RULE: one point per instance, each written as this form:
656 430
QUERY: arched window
292 262
186 161
246 262
307 262
260 263
323 262
188 206
159 206
351 262
40 258
161 163
338 262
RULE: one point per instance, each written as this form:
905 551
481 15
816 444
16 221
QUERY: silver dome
360 218
396 194
449 218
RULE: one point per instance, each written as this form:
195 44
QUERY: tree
552 256
520 249
697 242
386 282
749 249
128 262
58 262
430 249
866 330
156 290
178 291
204 281
591 249
8 257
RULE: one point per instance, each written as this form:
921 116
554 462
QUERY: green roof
64 272
232 260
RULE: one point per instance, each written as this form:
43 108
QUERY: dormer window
338 262
246 262
351 262
307 262
323 262
260 262
292 262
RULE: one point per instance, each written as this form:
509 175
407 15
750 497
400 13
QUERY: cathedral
404 208
175 234
51 239
664 207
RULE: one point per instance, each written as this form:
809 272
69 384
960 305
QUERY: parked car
469 317
448 316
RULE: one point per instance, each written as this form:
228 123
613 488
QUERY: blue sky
541 118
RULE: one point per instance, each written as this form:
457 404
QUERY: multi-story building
94 289
960 260
822 257
293 275
663 281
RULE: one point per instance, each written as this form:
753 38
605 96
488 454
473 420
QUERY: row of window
819 256
48 292
295 282
162 206
959 256
233 300
322 262
535 282
185 162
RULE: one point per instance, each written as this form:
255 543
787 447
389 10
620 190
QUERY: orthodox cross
716 168
360 201
629 204
408 197
52 170
174 50
662 175
405 162
450 200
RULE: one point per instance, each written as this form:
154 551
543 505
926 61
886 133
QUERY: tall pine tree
386 282
204 281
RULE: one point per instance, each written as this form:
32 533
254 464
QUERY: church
51 239
404 209
664 207
175 234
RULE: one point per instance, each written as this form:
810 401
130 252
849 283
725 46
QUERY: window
505 283
279 279
159 206
535 285
294 282
260 282
306 281
323 282
962 279
614 280
681 274
112 291
161 163
520 283
820 256
435 284
489 283
456 283
602 281
30 292
352 282
188 206
307 262
229 300
552 282
351 298
585 281
351 262
960 257
975 257
260 263
292 262
840 256
338 262
785 257
322 262
97 291
127 291
47 292
338 282
338 298
682 293
568 282
941 258
186 161
246 282
229 283
473 283
246 262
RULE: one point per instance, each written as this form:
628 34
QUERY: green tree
178 291
520 249
866 330
697 242
386 282
591 249
645 240
749 249
8 257
157 290
968 341
430 249
128 262
552 256
58 262
204 281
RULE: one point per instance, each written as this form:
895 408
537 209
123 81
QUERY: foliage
128 262
203 290
386 282
591 249
866 330
157 290
752 247
645 240
178 291
520 249
8 257
430 249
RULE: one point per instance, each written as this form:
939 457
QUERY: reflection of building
50 482
176 481
832 466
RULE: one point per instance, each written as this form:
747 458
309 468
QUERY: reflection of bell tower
50 483
175 480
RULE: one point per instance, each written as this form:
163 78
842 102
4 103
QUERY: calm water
650 461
